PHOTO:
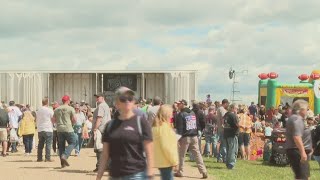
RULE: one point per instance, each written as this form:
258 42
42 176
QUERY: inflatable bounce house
273 93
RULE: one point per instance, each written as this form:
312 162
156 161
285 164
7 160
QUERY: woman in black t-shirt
125 140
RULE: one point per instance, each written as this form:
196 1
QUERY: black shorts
301 170
244 139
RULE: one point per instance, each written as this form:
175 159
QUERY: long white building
29 87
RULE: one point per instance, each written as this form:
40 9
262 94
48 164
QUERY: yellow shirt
165 146
245 121
27 126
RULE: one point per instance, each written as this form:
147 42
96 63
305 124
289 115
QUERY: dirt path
19 167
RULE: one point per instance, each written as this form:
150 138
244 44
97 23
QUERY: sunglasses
124 99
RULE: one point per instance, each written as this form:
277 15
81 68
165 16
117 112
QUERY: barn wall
24 88
77 86
155 86
180 85
30 88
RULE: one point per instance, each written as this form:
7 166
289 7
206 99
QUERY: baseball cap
82 101
123 90
99 94
65 98
184 102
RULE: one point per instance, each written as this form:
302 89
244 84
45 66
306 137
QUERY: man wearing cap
186 126
101 116
222 110
64 117
152 111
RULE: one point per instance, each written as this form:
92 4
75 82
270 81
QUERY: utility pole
233 75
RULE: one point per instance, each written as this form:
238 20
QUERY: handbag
13 136
85 133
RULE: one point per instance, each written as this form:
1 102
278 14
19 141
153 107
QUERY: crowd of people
137 135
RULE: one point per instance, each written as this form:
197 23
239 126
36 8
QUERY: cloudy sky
206 35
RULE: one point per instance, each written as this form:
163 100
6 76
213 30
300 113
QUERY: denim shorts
244 139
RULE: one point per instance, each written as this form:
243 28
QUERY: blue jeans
212 140
71 139
45 138
223 151
79 142
137 176
166 173
232 150
27 141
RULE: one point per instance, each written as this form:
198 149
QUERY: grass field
254 170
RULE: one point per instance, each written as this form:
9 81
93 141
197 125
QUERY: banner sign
295 92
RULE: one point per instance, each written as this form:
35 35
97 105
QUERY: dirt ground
17 166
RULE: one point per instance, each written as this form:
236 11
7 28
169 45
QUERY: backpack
138 124
109 126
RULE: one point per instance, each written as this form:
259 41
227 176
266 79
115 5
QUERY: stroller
278 151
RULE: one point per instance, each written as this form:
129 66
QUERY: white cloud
211 36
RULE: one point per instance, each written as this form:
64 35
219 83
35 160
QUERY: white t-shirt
14 114
81 119
44 115
89 125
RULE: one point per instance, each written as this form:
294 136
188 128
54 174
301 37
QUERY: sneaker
95 170
177 174
39 160
204 176
49 160
230 167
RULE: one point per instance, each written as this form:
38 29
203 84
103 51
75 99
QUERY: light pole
232 75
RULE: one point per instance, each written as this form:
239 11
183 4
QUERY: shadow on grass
20 161
264 163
